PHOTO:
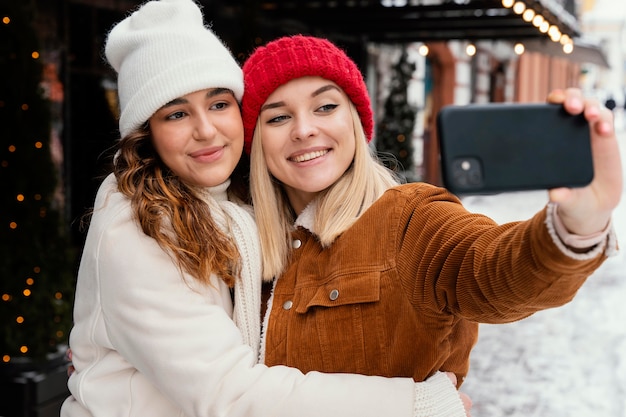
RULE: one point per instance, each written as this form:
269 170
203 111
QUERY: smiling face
199 136
308 138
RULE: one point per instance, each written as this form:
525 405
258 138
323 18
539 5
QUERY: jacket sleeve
181 338
468 265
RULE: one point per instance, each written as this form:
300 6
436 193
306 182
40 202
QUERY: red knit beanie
292 57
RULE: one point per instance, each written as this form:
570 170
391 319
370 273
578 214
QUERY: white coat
149 343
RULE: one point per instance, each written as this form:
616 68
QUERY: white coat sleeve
185 343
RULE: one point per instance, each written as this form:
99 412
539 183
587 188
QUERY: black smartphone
498 147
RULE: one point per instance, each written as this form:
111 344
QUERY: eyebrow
210 94
313 94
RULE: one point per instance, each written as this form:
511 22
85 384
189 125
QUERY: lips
205 152
309 156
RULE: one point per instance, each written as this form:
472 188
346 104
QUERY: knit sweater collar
235 220
218 193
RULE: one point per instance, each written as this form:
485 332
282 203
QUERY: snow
569 361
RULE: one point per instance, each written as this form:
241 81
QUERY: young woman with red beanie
374 277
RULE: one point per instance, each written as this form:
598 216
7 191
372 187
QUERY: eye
327 108
277 119
220 105
176 115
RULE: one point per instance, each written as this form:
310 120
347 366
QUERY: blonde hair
338 207
173 213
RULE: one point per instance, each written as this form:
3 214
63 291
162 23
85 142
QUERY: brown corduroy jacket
402 291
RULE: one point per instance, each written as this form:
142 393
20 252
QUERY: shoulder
109 200
418 193
112 217
422 205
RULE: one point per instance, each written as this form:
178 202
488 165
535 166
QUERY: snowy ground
569 361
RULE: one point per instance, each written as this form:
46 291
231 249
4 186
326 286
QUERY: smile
308 156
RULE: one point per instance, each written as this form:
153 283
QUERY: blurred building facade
465 51
604 22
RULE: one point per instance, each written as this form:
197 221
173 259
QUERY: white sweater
148 342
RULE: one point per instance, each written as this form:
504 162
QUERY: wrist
592 233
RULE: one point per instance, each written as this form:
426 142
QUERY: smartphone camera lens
467 173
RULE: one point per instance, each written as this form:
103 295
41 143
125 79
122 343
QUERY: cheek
163 147
271 147
275 163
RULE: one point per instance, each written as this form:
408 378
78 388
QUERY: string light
519 7
552 30
531 16
519 48
568 48
528 15
25 291
470 49
423 50
555 33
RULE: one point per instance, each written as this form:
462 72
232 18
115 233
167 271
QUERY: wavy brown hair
173 213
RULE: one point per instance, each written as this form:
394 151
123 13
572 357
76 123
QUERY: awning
585 52
409 21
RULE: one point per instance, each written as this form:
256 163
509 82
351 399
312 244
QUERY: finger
467 403
559 195
452 377
556 96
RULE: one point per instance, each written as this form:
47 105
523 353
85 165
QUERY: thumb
559 195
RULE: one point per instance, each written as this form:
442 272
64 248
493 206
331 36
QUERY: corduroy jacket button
296 243
334 294
287 305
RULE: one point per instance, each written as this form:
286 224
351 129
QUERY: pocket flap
354 288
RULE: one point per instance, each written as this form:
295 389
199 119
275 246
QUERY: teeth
309 156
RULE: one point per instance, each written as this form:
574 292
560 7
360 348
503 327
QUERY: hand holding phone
497 147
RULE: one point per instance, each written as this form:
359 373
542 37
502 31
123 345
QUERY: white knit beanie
163 51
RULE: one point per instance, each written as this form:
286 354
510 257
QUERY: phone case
496 147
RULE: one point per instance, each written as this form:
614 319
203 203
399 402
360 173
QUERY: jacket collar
306 219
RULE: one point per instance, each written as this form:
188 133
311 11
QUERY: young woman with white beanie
167 304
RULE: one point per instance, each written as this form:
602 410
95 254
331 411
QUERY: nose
304 127
203 128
